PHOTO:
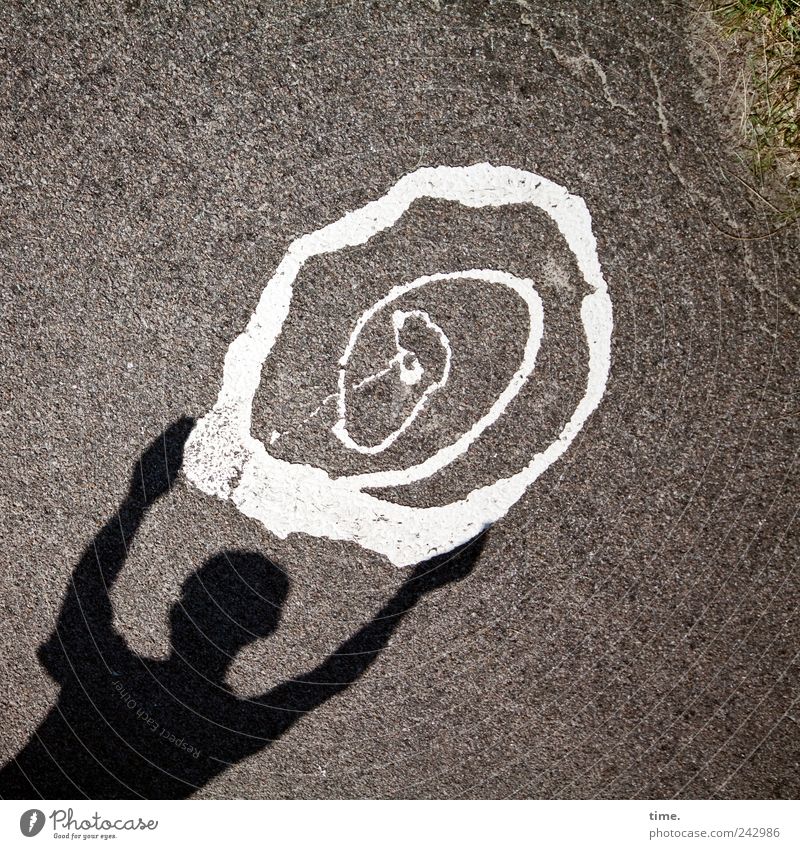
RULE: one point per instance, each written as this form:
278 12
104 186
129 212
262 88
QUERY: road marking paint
223 458
408 375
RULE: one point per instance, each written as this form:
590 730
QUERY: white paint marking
224 459
446 455
360 384
409 376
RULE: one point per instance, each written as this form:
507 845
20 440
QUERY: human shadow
129 727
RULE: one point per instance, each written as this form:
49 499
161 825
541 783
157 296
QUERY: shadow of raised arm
292 699
86 617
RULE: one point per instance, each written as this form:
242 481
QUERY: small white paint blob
224 459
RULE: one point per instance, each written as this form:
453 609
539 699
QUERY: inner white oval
523 287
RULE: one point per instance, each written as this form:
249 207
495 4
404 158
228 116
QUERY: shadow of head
236 597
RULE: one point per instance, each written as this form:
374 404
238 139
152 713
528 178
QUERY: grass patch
768 31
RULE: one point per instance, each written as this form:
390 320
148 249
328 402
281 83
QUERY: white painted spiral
224 459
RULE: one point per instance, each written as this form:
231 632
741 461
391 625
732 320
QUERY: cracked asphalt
630 628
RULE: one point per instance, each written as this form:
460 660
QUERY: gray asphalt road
630 627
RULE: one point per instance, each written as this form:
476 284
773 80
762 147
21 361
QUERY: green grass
768 31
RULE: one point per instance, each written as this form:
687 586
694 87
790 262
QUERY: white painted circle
223 458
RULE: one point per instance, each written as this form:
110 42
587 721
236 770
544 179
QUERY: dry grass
768 31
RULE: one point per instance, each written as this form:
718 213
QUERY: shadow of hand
156 470
445 569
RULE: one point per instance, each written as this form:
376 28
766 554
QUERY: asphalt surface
630 628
